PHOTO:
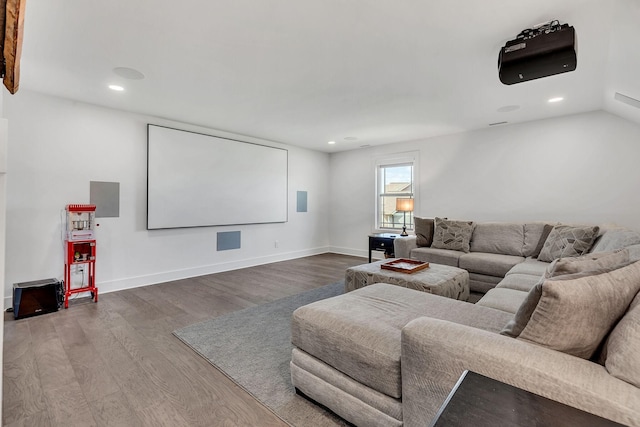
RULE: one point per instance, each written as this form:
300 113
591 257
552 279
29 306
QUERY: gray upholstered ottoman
443 280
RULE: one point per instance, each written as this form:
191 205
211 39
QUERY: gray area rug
253 348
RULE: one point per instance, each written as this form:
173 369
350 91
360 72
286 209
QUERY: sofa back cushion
616 238
452 235
498 238
574 315
532 236
587 263
623 346
546 230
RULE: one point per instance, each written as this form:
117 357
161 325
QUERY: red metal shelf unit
80 251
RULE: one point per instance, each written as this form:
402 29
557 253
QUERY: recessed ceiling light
128 73
557 99
331 142
116 88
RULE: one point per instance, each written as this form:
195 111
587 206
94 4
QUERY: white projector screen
196 180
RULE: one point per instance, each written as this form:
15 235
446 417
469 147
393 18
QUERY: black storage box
37 297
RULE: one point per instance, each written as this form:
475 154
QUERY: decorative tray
404 265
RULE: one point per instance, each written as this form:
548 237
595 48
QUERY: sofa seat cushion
519 282
508 300
530 266
482 282
489 264
498 238
359 333
437 256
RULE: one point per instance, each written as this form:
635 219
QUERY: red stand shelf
80 253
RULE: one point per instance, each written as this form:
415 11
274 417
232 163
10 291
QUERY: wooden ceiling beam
3 15
12 43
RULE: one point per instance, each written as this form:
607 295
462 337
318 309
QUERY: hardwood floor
116 363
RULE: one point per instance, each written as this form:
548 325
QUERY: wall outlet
276 244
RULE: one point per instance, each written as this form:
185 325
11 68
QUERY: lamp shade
404 205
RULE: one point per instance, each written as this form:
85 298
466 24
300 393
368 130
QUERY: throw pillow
574 315
567 241
543 238
623 346
424 231
453 235
562 269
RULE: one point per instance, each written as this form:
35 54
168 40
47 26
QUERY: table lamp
404 205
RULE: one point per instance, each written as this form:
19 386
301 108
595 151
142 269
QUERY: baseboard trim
377 255
168 276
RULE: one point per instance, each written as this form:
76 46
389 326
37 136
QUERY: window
395 179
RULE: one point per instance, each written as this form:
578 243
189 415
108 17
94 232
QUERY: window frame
400 159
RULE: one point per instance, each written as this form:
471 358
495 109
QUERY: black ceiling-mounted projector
542 51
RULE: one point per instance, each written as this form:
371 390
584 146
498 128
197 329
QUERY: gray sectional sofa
568 330
502 259
494 249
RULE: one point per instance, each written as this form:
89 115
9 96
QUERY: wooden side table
382 242
480 401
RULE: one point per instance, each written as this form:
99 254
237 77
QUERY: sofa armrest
402 246
436 352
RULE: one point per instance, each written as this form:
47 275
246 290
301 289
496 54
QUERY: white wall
581 168
56 147
3 211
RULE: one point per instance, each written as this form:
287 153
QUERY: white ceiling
309 71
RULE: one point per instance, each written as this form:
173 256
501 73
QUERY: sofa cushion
437 256
634 252
504 299
532 233
582 266
498 238
568 241
519 282
488 263
424 231
546 230
614 239
623 346
359 333
482 282
453 235
530 266
589 262
574 315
